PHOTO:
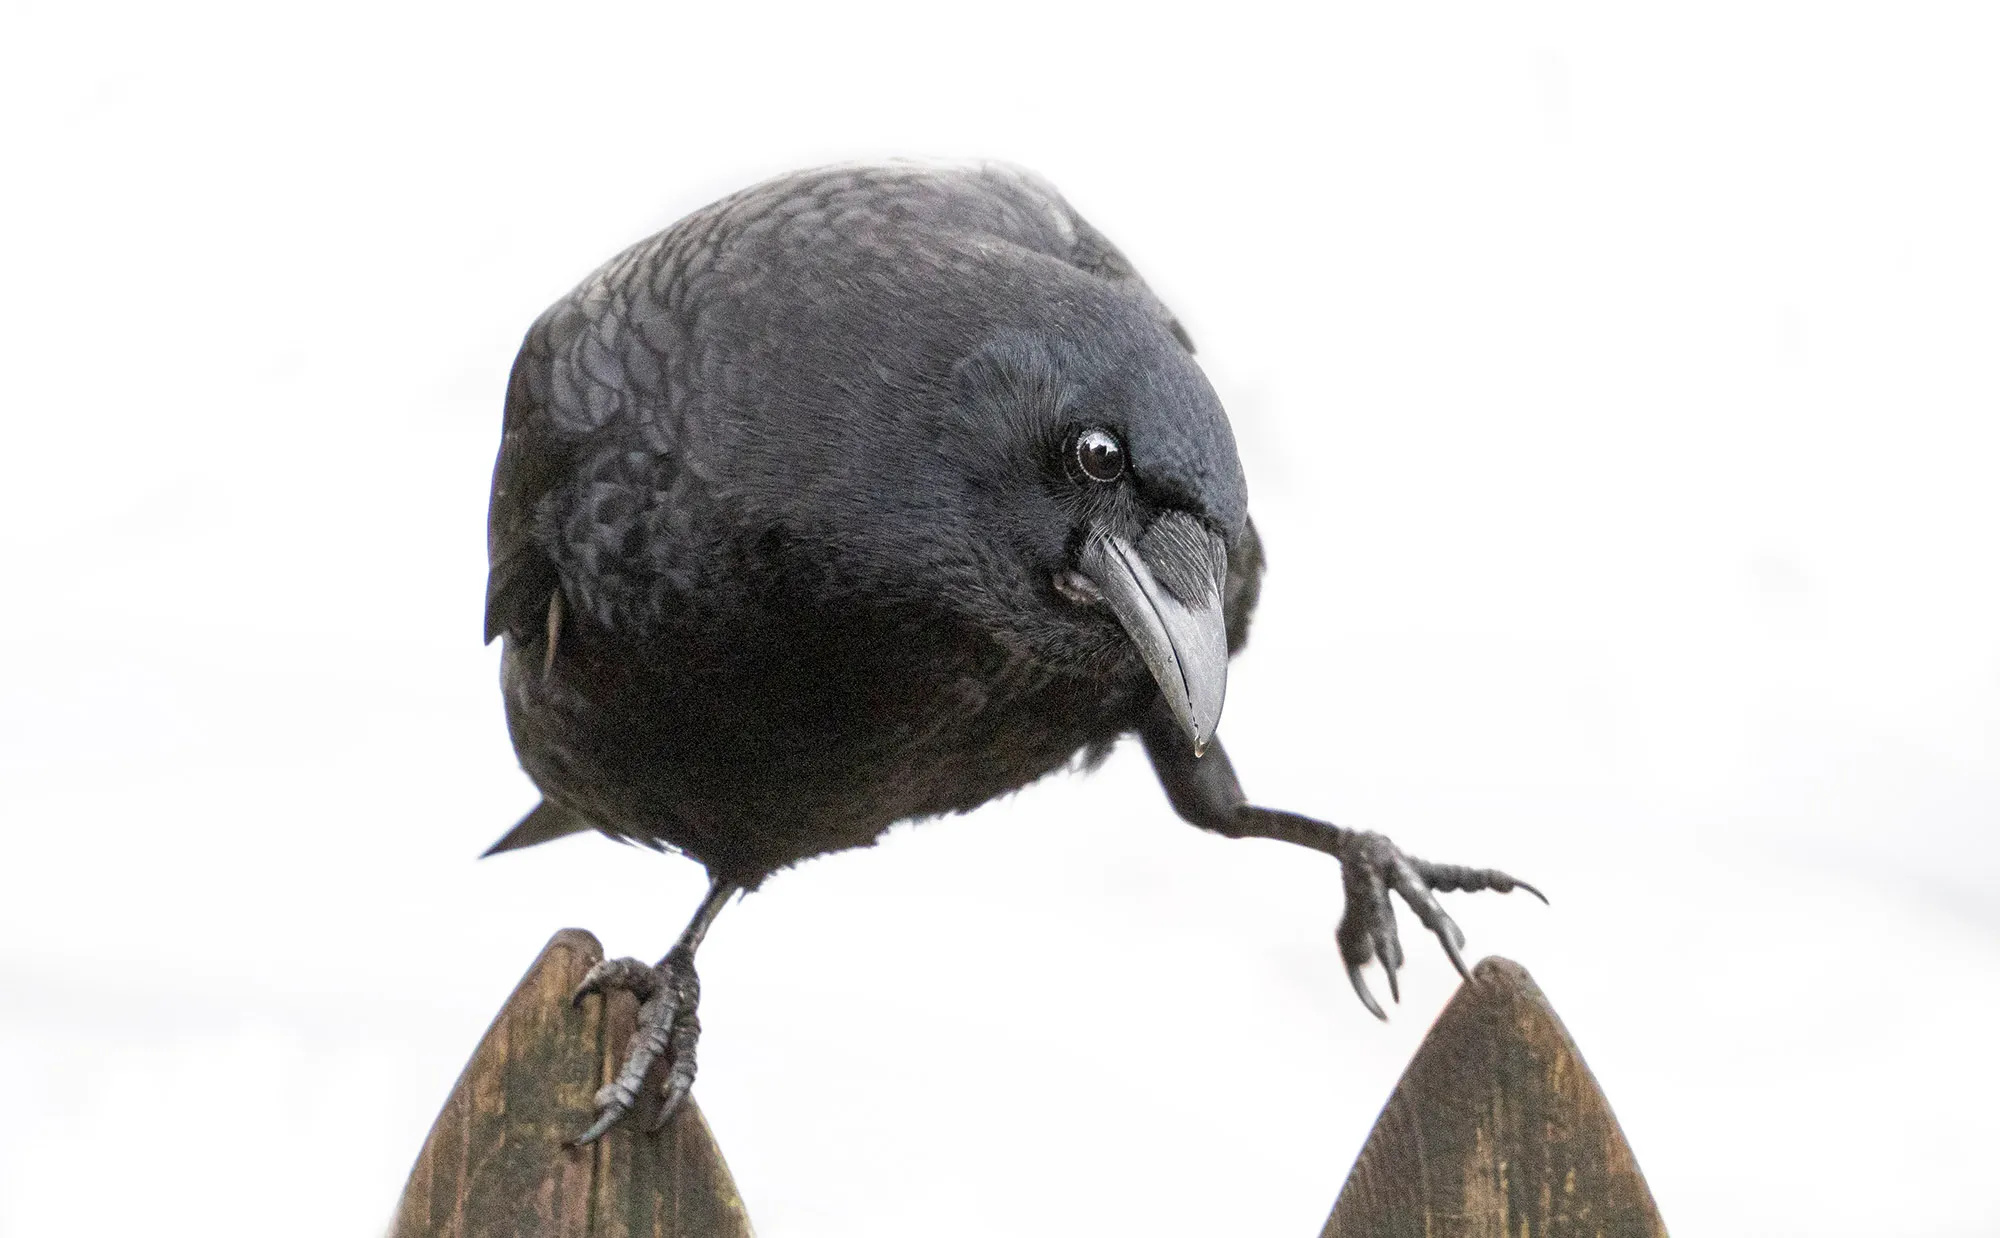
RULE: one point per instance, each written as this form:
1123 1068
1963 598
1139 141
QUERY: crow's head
1028 446
1099 471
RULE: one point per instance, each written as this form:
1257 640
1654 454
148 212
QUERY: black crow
866 495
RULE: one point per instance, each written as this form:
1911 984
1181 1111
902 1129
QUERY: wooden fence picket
1496 1130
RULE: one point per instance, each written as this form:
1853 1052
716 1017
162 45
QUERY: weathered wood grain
494 1165
1496 1129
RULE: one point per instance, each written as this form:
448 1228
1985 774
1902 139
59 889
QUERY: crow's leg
668 993
1204 791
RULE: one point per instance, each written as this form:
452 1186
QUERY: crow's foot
668 1027
1370 867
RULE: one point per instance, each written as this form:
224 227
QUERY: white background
1618 395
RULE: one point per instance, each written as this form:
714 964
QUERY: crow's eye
1099 455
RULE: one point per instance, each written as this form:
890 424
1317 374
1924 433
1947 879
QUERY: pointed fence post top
496 1163
1496 1128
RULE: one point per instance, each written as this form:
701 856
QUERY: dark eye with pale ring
1099 455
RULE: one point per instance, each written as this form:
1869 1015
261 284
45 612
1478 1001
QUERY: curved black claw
1370 867
1361 991
668 1027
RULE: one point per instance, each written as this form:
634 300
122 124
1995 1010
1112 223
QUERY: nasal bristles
1184 556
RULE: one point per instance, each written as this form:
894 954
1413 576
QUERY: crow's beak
1167 592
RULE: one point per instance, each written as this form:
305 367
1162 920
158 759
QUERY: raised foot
668 995
1370 867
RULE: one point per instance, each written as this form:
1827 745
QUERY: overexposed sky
1618 394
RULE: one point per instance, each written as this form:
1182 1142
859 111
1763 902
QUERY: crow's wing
588 446
520 577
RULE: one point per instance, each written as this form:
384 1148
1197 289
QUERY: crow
862 496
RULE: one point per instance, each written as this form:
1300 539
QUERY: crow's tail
548 821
